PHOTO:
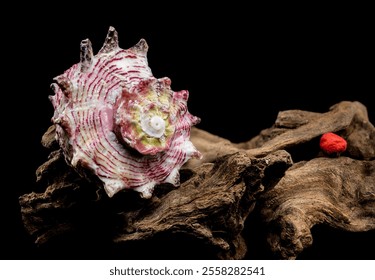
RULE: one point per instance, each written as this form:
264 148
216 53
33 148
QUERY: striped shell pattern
118 122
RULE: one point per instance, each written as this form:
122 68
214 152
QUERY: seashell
115 120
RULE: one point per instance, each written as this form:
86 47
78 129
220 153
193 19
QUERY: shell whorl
116 120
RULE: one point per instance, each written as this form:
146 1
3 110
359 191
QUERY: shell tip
141 46
174 177
146 190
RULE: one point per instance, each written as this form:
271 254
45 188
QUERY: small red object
332 144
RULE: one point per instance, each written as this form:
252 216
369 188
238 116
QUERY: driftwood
281 171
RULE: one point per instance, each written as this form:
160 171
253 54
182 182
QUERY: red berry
332 144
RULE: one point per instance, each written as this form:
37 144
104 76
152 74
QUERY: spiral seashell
117 121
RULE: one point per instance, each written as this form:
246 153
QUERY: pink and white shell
114 119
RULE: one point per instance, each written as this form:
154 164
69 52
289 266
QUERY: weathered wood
212 205
339 192
281 171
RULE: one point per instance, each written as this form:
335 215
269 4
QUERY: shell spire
116 121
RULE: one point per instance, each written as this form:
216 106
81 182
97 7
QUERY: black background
241 64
